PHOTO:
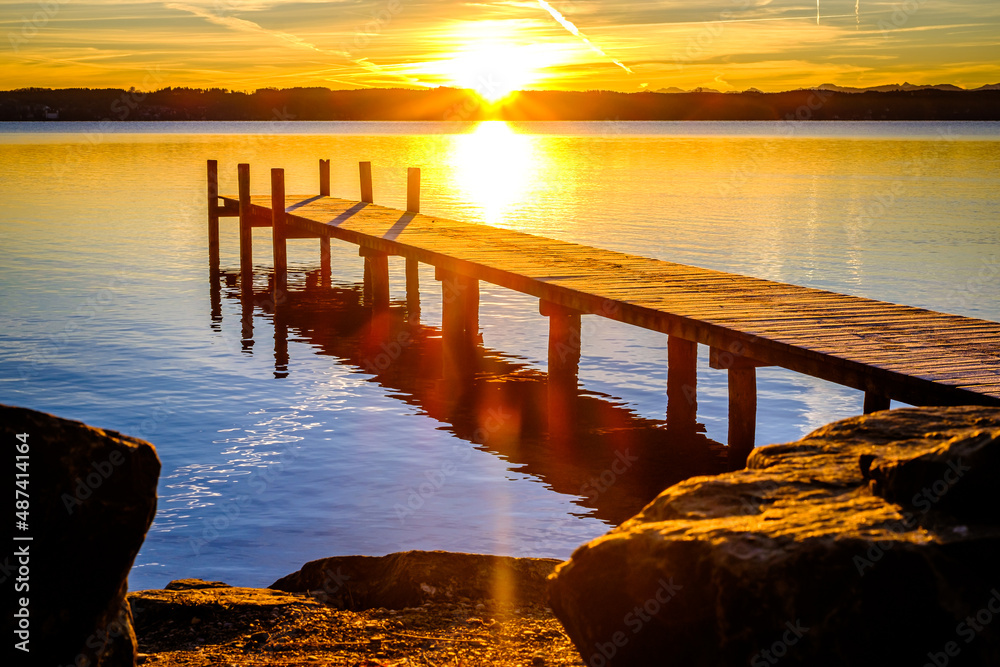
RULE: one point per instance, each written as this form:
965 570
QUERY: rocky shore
873 540
201 623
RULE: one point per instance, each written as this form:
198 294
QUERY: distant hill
897 103
889 88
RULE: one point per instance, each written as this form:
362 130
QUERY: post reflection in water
577 442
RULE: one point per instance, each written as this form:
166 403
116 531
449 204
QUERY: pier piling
278 235
246 230
682 383
213 215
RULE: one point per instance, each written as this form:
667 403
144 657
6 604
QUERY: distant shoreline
449 104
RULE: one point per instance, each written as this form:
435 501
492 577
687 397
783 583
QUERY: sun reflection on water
495 168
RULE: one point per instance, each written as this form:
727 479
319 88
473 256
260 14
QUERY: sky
496 46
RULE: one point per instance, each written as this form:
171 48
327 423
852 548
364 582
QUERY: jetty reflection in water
577 442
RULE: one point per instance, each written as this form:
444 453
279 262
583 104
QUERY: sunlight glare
494 168
492 70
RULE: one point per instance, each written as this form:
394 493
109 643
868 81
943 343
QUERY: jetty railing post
246 230
682 384
278 235
324 178
875 401
412 266
742 414
213 216
365 169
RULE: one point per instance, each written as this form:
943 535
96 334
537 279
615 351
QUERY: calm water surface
278 447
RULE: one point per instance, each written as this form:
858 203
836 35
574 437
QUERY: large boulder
872 541
91 498
411 578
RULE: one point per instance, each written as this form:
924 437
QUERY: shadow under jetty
577 442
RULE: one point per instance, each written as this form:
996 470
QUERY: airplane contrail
857 14
249 26
245 26
817 12
564 22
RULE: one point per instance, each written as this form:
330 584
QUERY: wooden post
412 287
246 231
278 234
324 261
413 190
324 178
213 215
377 272
564 341
875 402
742 414
682 383
366 182
459 320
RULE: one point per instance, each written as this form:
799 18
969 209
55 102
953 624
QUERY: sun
493 70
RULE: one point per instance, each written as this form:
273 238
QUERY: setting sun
492 70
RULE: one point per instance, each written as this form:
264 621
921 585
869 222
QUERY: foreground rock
92 497
411 578
800 559
194 622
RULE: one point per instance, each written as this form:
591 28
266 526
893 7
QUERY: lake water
278 447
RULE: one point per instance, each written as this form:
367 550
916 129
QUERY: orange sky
497 46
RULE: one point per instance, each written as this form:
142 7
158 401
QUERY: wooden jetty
888 351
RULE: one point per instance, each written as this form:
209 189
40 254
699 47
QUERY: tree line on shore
452 104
